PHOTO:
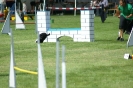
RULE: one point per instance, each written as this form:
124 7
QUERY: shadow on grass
17 73
4 74
110 41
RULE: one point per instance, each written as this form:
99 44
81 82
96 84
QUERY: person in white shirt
104 2
24 7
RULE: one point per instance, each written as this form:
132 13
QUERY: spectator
48 3
33 4
37 2
126 17
19 5
41 5
11 4
103 12
51 2
24 8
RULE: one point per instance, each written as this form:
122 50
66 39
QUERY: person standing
126 17
49 3
33 4
24 7
19 5
104 7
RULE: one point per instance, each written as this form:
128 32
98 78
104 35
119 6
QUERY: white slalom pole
12 77
7 30
44 5
41 74
63 68
75 8
36 20
57 65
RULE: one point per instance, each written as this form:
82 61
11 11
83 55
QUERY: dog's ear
48 34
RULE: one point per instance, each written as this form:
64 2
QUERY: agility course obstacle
18 20
44 17
130 42
83 34
57 65
127 56
43 21
25 71
80 8
41 74
12 77
12 74
63 68
7 30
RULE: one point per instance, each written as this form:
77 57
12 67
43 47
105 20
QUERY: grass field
98 64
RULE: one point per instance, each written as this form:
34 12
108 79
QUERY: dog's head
42 36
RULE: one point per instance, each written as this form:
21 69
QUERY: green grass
98 64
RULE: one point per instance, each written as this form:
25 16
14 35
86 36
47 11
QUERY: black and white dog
43 36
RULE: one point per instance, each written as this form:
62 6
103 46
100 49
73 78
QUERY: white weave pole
63 68
57 65
7 30
75 9
44 4
41 74
12 74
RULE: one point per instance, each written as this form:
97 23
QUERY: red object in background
1 14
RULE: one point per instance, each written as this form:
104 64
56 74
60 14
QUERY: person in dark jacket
9 3
103 12
19 4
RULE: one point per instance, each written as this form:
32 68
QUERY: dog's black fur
43 36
